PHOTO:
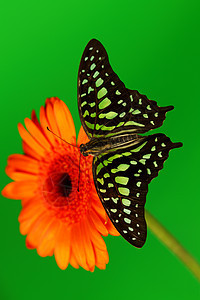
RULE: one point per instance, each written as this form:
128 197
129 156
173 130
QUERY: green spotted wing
121 179
108 110
105 104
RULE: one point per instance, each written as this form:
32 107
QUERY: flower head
61 212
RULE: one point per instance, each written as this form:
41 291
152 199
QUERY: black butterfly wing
121 178
105 104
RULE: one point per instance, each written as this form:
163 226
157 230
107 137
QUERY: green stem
167 239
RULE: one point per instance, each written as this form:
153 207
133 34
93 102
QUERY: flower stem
167 239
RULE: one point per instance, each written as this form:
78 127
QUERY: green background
154 47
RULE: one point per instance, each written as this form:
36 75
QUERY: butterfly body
97 146
124 162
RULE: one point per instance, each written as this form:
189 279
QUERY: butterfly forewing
121 178
105 104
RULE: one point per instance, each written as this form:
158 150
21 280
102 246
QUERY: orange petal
64 126
73 261
99 209
31 208
25 200
89 251
62 247
45 124
21 162
37 134
29 151
98 223
29 246
77 246
38 229
18 190
48 240
95 236
92 269
111 228
82 137
35 119
69 119
19 176
102 258
52 120
26 137
51 100
27 223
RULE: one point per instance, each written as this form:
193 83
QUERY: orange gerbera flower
56 217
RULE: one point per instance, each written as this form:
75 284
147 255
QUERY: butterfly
124 162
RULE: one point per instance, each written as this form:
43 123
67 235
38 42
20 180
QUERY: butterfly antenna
61 138
79 171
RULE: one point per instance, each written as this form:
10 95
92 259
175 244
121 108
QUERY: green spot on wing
147 156
101 93
122 115
122 167
99 167
104 127
86 113
126 202
92 67
110 185
114 157
132 123
106 162
84 103
99 82
121 179
120 124
133 162
100 180
104 103
124 191
136 112
111 115
114 200
106 175
126 153
93 115
91 104
143 161
89 125
138 148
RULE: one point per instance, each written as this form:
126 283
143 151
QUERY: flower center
65 184
57 188
60 174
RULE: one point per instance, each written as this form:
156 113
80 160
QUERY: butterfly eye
83 149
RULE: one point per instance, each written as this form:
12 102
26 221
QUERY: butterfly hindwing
121 178
105 104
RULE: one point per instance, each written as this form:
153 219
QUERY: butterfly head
83 149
